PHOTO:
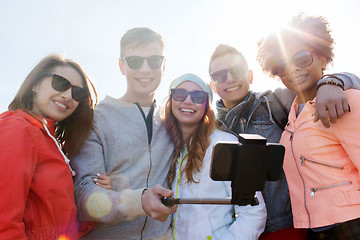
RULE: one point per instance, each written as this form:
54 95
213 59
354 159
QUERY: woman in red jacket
48 121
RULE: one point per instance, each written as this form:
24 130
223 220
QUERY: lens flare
98 205
63 237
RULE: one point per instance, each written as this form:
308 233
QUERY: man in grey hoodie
129 143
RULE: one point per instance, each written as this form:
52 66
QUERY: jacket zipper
303 159
297 167
313 190
147 185
148 124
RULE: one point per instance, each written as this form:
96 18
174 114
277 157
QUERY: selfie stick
169 202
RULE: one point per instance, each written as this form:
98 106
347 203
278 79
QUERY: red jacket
37 192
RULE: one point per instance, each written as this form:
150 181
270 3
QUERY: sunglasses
221 76
61 84
180 94
301 59
135 62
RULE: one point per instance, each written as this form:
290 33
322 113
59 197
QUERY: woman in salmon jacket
321 164
47 122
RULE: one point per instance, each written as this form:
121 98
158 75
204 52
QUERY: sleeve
18 158
95 203
250 222
348 128
350 80
286 97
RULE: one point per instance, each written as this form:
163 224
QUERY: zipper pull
312 193
302 160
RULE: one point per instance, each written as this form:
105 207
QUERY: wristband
331 82
331 76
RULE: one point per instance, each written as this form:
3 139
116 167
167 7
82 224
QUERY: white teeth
232 88
299 79
60 105
144 79
187 110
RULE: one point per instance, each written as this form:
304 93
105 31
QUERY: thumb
163 191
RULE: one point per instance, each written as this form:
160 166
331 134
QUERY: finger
345 105
340 110
108 187
164 192
102 176
104 182
322 115
332 114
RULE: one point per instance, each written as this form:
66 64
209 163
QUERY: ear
324 63
213 87
121 66
250 76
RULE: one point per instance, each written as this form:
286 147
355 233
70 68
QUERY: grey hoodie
119 145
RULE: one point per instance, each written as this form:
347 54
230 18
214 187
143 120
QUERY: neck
305 96
144 101
187 131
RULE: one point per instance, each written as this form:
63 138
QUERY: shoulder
110 107
18 129
353 96
219 135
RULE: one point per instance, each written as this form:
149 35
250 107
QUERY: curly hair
74 130
309 30
197 145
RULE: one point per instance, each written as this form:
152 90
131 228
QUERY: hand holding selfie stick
247 164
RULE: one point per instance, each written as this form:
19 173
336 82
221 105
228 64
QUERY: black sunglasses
301 59
61 84
221 76
135 62
197 96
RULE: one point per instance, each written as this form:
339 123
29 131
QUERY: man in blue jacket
244 111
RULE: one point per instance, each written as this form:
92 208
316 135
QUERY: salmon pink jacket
322 165
37 192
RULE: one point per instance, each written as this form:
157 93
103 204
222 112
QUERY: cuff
131 203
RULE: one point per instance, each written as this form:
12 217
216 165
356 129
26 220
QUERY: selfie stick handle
169 202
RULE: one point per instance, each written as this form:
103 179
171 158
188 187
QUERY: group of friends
74 170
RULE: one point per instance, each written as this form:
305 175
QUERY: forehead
291 48
153 48
190 86
72 75
226 61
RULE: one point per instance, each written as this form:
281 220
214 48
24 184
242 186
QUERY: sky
89 32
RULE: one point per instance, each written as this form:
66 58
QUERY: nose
293 67
188 99
229 77
67 94
145 66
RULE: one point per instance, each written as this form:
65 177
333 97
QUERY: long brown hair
197 145
74 130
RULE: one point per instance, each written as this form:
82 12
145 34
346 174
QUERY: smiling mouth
186 110
144 79
299 79
60 105
232 89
